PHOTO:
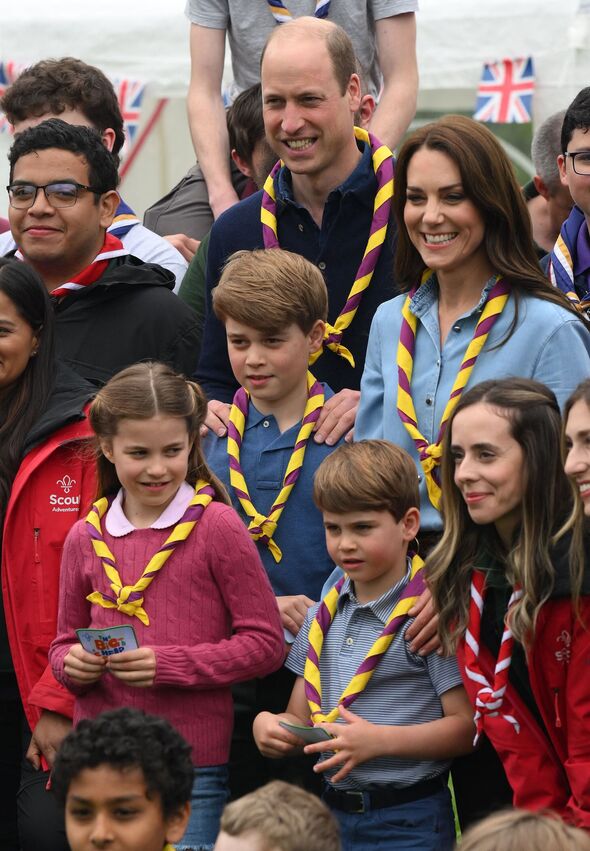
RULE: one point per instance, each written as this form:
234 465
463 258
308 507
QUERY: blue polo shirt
404 689
300 535
548 343
337 249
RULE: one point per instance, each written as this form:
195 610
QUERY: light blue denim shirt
548 344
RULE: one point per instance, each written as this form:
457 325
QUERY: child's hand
83 667
271 739
354 742
137 668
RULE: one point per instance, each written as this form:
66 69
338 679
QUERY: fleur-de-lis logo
66 483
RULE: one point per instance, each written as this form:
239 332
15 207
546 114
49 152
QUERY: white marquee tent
148 40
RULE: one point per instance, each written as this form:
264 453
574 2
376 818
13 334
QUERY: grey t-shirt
249 24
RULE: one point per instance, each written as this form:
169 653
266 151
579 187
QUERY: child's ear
316 336
106 447
411 523
177 822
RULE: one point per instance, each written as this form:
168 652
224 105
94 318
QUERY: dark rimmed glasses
580 161
62 193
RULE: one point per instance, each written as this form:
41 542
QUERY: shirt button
429 400
438 363
419 480
321 265
300 228
350 640
265 423
456 328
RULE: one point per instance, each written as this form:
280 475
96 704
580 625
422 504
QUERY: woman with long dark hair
46 482
509 582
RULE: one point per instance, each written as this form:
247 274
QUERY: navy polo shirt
264 457
337 249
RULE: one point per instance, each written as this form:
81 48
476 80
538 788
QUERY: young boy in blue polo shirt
274 305
386 768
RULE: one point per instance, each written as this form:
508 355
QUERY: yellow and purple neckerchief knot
282 15
261 527
383 167
563 258
319 629
129 598
490 696
430 453
169 847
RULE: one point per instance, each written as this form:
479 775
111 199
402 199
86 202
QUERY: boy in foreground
278 817
386 766
125 779
273 305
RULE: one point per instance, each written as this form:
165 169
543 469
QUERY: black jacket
130 314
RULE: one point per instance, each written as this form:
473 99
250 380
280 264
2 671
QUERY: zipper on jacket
556 707
36 533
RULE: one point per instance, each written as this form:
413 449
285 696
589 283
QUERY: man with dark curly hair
125 779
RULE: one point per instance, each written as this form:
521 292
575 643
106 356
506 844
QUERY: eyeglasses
62 194
580 161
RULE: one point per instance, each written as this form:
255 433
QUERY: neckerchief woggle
382 159
319 629
430 453
111 247
262 527
282 15
563 259
129 598
490 696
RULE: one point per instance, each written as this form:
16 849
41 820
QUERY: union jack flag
505 94
130 95
9 71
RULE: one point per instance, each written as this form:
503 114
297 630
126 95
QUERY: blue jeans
422 825
209 796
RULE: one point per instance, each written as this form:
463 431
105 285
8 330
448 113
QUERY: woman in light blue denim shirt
461 216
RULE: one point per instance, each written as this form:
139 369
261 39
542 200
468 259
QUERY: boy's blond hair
269 289
284 818
371 475
515 830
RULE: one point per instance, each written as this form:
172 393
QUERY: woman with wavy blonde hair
508 581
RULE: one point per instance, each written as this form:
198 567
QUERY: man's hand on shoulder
217 418
337 417
186 245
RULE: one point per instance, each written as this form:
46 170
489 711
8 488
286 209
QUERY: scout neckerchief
281 14
563 257
262 528
124 220
490 695
383 166
111 247
129 598
319 629
430 453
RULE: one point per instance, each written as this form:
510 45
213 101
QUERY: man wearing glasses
112 309
568 264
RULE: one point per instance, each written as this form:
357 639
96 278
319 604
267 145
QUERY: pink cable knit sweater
213 622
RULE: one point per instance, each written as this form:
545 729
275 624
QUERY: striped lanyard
262 527
319 629
490 696
430 453
282 15
129 598
383 166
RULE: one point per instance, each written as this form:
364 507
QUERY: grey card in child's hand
310 735
108 642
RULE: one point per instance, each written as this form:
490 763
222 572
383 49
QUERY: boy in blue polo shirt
386 768
274 306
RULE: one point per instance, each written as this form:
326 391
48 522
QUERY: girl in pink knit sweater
162 550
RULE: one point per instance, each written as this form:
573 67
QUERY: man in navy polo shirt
325 195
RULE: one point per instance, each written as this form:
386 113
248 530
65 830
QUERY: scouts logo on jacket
63 502
562 654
